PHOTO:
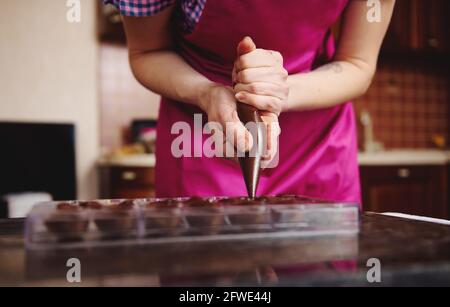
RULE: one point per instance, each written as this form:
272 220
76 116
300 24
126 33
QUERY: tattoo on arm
335 67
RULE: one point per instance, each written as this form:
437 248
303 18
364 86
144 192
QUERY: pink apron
318 149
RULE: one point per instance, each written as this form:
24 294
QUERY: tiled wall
409 103
122 98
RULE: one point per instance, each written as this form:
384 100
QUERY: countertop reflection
410 253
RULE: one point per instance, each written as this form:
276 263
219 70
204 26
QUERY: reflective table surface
406 252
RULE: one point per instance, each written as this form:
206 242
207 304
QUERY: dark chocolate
67 227
197 202
90 205
66 207
282 200
226 201
249 201
125 205
162 206
164 217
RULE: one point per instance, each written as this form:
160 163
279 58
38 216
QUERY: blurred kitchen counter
404 157
137 160
386 157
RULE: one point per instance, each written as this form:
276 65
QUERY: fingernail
240 95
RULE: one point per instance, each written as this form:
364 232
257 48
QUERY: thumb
246 45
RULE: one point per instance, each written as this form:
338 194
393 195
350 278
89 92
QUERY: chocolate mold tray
146 221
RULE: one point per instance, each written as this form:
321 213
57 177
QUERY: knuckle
236 64
244 76
256 101
270 53
243 62
277 55
259 52
248 97
255 88
240 76
238 87
271 104
264 91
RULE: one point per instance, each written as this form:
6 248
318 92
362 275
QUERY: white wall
48 73
122 98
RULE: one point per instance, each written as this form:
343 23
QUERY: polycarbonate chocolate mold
206 217
286 215
106 222
253 215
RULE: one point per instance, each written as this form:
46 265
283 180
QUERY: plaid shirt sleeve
140 8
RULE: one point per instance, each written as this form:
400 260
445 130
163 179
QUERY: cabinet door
436 25
127 182
398 36
408 189
418 25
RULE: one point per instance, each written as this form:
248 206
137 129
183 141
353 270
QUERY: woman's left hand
260 78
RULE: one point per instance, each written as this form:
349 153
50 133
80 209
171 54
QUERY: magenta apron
318 149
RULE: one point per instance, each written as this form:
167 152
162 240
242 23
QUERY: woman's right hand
219 103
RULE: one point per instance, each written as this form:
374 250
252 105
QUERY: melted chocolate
90 205
125 205
197 202
66 207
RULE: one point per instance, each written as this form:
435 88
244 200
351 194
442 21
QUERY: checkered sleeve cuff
140 8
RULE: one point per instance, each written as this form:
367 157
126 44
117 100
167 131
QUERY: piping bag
251 161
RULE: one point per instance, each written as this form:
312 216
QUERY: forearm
329 85
154 63
166 73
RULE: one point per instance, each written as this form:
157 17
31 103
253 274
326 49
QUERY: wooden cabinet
417 190
418 26
126 182
448 189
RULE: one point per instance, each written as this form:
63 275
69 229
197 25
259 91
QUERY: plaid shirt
191 9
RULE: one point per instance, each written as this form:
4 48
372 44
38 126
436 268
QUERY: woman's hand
261 81
266 90
229 132
219 103
260 78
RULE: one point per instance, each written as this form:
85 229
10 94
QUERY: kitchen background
57 72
